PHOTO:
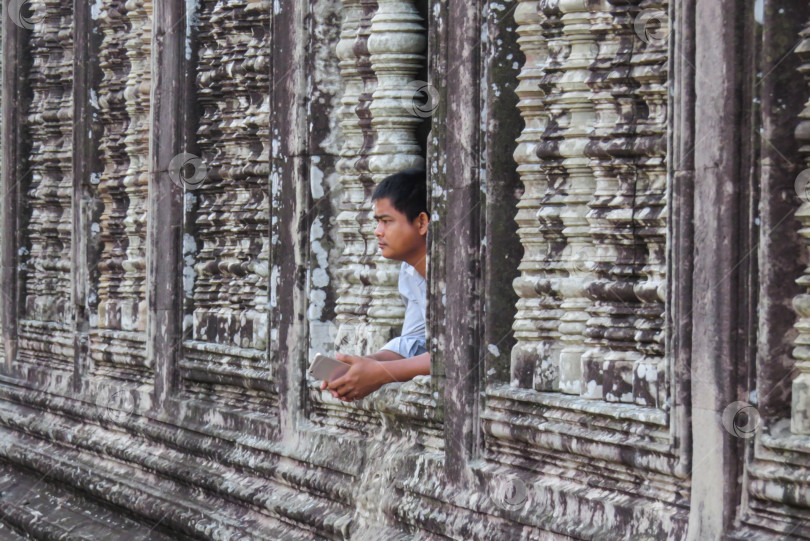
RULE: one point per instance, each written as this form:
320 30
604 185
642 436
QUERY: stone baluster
45 252
624 332
112 116
649 71
353 296
547 371
592 219
607 365
230 208
363 109
136 95
800 414
124 101
119 317
532 364
537 327
576 119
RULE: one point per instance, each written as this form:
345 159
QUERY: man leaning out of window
400 209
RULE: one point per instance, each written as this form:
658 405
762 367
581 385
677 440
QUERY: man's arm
406 369
386 355
382 355
366 374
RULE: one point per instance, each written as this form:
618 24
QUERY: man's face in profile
398 237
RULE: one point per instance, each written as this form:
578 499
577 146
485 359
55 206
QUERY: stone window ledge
618 411
778 437
535 420
412 399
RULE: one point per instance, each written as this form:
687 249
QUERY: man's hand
365 376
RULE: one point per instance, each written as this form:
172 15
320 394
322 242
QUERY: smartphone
326 368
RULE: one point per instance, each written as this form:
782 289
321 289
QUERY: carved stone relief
226 240
800 419
118 316
582 444
45 330
592 219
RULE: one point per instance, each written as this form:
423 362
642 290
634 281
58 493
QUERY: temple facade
618 280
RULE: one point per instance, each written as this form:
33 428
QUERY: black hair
407 191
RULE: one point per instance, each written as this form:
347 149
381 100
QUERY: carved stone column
119 322
369 310
46 337
136 180
649 67
353 294
627 213
396 44
535 326
576 117
227 238
111 192
540 311
608 362
800 418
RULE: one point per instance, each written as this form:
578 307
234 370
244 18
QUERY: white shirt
413 290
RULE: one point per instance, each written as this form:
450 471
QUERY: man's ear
422 222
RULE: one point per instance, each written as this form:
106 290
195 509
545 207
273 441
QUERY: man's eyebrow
380 217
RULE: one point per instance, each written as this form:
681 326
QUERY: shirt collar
411 271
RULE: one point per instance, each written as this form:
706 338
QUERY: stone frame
463 453
680 238
490 424
772 445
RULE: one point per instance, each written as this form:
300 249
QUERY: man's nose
379 231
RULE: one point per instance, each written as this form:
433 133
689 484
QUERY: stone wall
619 292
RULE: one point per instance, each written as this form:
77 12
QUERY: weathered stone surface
156 326
226 235
44 269
118 298
593 223
800 419
43 510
